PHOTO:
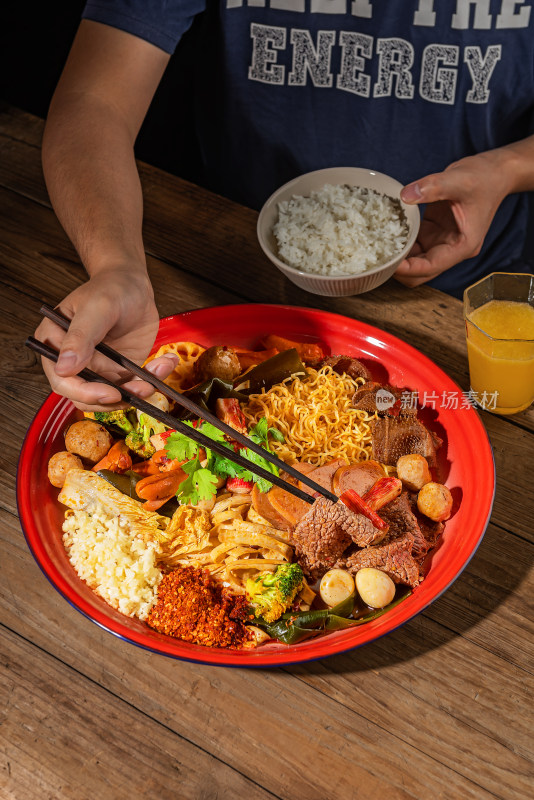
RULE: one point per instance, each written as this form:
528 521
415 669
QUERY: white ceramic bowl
338 285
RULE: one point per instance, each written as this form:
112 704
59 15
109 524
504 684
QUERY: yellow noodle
316 418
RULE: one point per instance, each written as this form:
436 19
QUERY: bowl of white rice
338 231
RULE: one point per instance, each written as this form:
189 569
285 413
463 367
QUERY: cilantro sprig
201 482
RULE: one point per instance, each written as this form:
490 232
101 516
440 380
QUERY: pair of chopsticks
174 423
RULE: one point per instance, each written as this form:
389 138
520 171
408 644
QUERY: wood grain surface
441 708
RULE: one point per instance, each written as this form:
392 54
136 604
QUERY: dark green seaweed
293 628
262 376
273 370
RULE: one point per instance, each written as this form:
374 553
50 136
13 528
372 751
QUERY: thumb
426 190
87 328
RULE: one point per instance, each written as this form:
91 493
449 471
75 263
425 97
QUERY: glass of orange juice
499 321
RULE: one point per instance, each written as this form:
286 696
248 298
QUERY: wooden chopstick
190 405
171 422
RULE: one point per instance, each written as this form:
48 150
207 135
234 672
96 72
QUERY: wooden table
441 708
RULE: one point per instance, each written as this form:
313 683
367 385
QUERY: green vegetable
206 395
262 376
124 482
118 419
260 433
293 628
181 447
271 593
138 440
201 484
273 370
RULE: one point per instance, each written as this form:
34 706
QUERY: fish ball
413 471
88 439
375 587
59 465
336 585
435 501
217 362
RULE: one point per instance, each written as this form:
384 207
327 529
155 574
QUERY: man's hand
118 305
461 203
88 160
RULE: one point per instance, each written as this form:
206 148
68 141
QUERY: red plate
466 465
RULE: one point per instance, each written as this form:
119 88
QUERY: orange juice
500 346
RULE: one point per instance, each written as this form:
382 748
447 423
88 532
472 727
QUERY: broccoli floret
138 440
119 419
272 593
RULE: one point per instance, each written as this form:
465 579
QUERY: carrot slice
117 459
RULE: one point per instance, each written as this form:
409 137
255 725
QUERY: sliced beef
349 366
325 532
319 539
403 523
360 529
431 531
394 437
394 558
365 399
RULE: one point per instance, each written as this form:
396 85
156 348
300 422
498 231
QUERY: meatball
217 362
414 472
435 501
88 439
59 465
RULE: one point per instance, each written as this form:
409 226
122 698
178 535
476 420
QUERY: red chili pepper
384 491
355 503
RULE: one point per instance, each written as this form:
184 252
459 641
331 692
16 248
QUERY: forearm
92 179
514 164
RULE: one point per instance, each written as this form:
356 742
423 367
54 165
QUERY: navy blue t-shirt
404 87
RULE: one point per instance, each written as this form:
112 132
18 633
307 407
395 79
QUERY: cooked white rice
340 230
121 568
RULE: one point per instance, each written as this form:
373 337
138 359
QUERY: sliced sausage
288 506
263 506
323 475
359 477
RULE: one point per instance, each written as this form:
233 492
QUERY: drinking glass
501 349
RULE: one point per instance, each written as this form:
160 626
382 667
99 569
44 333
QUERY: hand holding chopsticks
175 424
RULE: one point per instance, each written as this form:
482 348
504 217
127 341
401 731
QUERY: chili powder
193 607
